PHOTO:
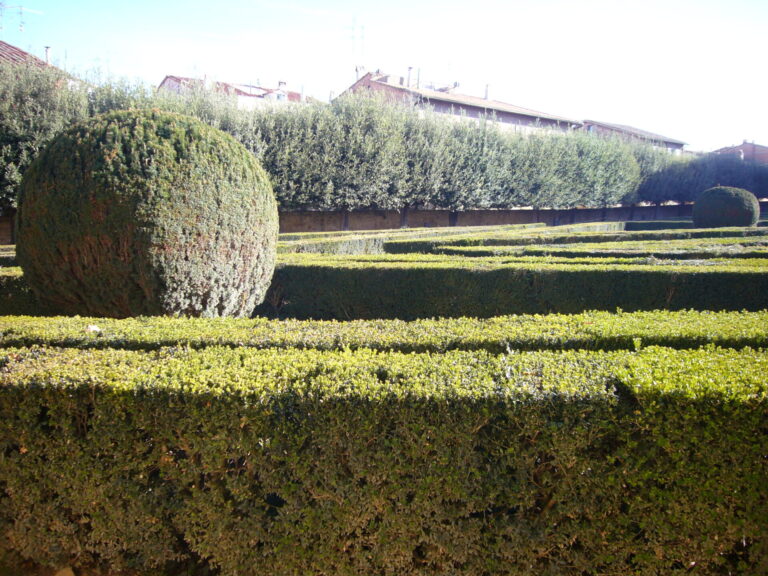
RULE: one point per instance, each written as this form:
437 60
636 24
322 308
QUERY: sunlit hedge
295 462
357 153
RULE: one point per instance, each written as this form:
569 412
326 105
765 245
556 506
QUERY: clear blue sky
694 70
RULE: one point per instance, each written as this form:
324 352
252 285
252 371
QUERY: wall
389 219
381 220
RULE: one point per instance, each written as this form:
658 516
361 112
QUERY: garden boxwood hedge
294 462
424 286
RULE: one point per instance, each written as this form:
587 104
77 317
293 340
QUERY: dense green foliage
306 462
590 330
380 155
592 444
724 206
572 235
425 286
144 212
504 270
35 105
358 153
684 179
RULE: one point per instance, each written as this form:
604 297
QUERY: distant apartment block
747 151
248 96
445 101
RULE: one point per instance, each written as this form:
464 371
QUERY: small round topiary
147 213
725 206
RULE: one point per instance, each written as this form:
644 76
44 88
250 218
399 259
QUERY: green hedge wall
408 287
275 462
359 153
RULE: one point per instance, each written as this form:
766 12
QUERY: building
13 55
445 101
248 96
747 151
630 133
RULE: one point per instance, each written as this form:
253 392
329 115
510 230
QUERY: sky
692 70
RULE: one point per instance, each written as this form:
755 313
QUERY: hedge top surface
145 212
590 330
263 376
726 206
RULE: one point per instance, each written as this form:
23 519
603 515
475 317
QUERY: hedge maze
584 400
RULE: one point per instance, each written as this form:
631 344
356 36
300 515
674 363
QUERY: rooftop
636 132
450 97
13 55
245 90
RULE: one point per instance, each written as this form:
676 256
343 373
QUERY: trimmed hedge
7 256
305 462
372 242
726 206
612 232
686 249
590 330
146 212
15 296
410 287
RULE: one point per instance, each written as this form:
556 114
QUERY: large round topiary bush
147 213
725 206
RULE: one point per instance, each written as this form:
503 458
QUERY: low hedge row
576 235
687 249
15 295
297 462
404 232
372 242
410 287
590 330
7 255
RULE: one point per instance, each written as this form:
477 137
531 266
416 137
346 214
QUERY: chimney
47 54
409 76
486 91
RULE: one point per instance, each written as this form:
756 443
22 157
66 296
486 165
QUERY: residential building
446 101
747 151
248 96
630 133
14 55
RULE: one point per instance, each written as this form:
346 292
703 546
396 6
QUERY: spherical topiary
146 213
725 206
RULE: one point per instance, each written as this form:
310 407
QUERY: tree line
364 153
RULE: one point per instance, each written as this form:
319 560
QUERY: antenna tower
21 10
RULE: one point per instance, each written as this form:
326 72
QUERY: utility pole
21 10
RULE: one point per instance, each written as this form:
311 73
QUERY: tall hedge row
358 153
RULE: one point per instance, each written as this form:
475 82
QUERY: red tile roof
15 55
741 147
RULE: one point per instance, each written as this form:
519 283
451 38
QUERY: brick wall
389 219
382 220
